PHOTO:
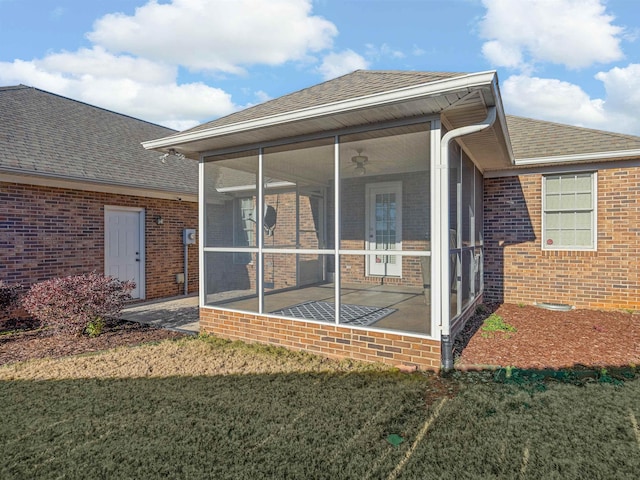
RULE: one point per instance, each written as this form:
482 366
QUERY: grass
303 417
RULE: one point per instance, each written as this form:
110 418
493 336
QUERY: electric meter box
189 236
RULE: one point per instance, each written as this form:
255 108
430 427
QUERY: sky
180 63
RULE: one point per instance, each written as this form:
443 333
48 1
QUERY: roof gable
359 83
45 134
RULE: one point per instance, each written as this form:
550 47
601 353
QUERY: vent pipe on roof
443 240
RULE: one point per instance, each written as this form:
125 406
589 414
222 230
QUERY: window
569 217
244 229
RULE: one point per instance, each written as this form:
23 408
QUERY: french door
384 228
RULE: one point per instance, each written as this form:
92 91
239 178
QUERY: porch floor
412 313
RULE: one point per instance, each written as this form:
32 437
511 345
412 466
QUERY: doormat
325 311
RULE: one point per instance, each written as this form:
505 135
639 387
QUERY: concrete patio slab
176 313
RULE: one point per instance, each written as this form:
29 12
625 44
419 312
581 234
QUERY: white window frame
594 214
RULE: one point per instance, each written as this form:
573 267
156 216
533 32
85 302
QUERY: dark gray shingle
47 134
353 85
536 138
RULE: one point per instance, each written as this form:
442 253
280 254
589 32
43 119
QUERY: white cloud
213 35
564 102
574 33
383 51
552 100
133 64
136 87
100 63
623 96
337 64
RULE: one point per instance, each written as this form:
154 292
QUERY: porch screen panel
227 285
479 210
230 194
385 195
468 201
296 179
385 208
394 306
295 286
230 223
466 231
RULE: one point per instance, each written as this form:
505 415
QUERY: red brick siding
518 270
51 232
328 340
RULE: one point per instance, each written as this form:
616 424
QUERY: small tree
76 302
9 295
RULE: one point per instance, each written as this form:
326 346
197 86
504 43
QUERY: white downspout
443 232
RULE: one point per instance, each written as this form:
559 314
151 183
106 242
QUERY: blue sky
183 62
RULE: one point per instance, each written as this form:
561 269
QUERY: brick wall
328 340
518 270
50 232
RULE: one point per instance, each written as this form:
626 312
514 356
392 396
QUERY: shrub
9 295
72 303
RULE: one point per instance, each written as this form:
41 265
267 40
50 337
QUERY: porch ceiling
459 101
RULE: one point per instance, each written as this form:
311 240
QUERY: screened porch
343 231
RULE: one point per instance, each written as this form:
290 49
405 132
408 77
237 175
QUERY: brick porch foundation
327 340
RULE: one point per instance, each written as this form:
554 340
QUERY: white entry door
123 245
384 227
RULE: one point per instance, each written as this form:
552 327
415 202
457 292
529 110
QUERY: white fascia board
581 157
377 99
93 186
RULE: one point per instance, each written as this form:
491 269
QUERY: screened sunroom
363 214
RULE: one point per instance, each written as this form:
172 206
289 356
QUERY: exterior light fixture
171 153
159 220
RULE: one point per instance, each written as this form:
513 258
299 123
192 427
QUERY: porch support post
202 235
442 179
336 225
260 228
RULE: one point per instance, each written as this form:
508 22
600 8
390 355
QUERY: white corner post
440 233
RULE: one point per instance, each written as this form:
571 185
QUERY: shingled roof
48 135
359 83
540 139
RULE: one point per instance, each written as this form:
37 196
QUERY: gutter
10 175
442 239
373 100
580 157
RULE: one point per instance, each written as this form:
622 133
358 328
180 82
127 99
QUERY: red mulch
24 339
551 339
544 339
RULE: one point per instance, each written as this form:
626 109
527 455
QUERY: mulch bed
550 339
25 339
544 339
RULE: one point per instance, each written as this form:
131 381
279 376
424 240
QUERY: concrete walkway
176 313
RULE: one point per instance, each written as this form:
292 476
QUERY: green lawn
318 426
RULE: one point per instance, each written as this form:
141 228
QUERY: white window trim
594 213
